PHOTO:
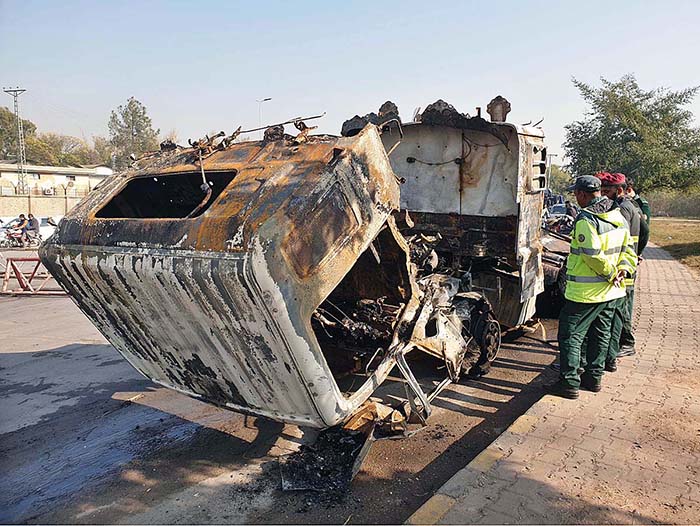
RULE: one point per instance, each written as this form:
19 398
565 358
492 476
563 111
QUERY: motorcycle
12 238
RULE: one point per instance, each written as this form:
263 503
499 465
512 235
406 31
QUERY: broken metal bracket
422 410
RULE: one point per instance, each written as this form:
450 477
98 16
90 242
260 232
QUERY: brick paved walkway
629 454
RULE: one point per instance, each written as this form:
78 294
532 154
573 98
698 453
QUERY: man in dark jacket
641 202
622 338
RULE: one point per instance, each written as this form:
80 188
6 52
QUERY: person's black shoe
611 366
557 367
590 384
626 350
561 389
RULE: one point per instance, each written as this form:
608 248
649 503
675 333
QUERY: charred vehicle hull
288 277
480 190
219 306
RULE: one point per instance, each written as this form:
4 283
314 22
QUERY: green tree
40 152
8 133
52 149
66 150
559 179
645 134
131 132
101 152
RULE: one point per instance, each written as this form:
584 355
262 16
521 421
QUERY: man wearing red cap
613 186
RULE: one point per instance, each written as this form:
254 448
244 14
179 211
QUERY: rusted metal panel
531 200
455 171
477 184
218 306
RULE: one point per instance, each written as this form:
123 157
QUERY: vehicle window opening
173 196
355 324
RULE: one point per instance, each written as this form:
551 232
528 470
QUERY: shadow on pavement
99 444
69 423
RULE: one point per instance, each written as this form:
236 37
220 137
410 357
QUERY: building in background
53 190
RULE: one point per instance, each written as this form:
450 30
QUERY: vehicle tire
487 333
551 300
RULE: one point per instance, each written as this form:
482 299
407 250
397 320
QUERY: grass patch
680 237
674 203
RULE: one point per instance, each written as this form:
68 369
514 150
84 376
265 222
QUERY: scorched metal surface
218 305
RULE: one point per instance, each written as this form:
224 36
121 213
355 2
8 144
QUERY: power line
21 150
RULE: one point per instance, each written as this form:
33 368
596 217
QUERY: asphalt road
85 439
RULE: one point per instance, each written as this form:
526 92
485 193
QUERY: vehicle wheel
551 300
487 332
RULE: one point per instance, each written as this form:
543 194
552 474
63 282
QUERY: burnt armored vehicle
288 277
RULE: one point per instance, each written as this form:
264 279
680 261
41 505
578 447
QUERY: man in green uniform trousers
622 336
627 340
597 264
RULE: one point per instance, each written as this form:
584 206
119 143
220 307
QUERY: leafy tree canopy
559 179
8 133
52 149
131 132
644 134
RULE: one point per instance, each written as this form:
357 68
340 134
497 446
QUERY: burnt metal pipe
206 188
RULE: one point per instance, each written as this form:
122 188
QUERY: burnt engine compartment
455 323
354 325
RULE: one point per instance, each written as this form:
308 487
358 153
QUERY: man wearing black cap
599 260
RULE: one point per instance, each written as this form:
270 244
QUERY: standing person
641 202
596 266
613 186
627 340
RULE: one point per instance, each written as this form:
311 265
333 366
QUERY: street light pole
260 103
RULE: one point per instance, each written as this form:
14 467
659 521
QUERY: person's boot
559 388
611 366
626 350
557 367
590 384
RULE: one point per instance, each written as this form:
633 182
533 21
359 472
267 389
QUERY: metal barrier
27 279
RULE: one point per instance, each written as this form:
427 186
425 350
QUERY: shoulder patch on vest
581 238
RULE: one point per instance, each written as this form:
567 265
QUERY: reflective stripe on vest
594 251
587 279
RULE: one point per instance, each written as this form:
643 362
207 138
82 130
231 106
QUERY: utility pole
549 163
260 103
21 151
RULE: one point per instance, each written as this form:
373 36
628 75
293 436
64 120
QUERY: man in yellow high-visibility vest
600 258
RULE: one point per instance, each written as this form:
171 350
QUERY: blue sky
200 66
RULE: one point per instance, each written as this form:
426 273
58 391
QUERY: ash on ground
327 466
